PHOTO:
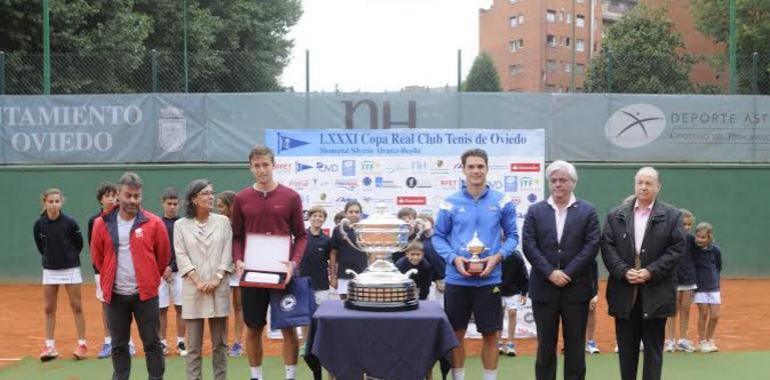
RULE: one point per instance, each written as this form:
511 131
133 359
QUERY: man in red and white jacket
130 248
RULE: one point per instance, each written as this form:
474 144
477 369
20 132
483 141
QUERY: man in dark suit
560 239
642 243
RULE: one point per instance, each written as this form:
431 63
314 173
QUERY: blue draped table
399 345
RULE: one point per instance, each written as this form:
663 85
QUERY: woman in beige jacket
202 241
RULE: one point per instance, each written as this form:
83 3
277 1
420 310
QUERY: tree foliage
641 53
483 76
752 36
106 45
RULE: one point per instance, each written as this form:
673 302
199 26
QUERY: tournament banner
404 167
414 168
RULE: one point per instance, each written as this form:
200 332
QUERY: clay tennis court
742 327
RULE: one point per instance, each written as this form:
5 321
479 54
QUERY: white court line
10 359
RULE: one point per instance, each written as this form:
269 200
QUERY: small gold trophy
476 247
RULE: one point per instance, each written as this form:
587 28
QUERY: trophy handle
480 253
345 222
419 226
409 273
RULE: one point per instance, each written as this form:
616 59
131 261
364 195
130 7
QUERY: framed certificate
262 259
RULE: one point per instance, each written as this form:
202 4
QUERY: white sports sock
256 372
81 342
107 340
291 371
490 374
164 342
458 373
50 343
179 339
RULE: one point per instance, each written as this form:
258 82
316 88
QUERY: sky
383 45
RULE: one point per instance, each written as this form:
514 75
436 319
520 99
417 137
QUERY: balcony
613 10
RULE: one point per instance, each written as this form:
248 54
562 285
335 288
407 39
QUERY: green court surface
718 366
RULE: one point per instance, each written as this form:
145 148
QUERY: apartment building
533 42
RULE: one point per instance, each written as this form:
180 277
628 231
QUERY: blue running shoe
236 350
592 348
106 351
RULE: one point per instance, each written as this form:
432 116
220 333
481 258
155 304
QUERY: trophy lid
475 245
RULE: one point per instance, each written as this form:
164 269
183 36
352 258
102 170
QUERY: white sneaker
181 349
592 348
706 347
713 345
510 349
668 346
616 348
685 345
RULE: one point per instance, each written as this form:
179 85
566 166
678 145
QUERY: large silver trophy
381 286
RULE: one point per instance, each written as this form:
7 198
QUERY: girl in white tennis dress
59 242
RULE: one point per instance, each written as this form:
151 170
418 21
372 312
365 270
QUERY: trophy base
382 297
375 290
475 268
381 306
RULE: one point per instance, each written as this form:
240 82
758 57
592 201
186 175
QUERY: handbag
293 306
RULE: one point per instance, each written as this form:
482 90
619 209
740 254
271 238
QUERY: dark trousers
632 330
120 312
573 317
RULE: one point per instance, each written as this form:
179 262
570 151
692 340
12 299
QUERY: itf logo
635 125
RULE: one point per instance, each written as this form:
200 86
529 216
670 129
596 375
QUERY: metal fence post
2 73
307 70
184 22
459 70
46 48
609 71
732 47
754 73
459 114
307 88
154 66
573 50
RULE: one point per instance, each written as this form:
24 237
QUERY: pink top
641 216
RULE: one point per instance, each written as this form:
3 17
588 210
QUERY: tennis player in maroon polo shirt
266 207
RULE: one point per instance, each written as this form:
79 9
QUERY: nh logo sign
387 121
